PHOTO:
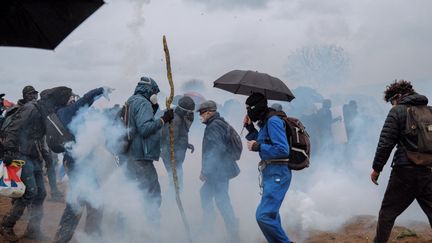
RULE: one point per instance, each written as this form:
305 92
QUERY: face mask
254 115
153 99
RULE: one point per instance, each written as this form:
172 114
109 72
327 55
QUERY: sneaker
8 234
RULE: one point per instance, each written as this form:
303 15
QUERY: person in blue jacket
272 145
72 213
144 147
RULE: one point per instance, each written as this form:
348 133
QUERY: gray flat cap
208 105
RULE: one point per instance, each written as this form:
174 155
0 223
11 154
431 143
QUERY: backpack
56 133
126 140
234 148
233 142
419 126
298 139
4 124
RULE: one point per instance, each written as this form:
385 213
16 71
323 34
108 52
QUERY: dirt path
358 230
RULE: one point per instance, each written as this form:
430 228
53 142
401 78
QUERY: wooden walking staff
171 140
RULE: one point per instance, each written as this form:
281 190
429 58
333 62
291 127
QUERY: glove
107 91
168 116
191 147
256 147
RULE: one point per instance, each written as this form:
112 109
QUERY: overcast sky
122 41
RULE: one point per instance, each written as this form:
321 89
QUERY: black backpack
56 133
5 123
298 139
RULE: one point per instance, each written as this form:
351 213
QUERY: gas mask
153 99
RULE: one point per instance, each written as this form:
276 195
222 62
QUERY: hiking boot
36 235
8 234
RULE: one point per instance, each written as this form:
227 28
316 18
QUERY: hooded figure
24 140
73 211
272 145
145 143
183 118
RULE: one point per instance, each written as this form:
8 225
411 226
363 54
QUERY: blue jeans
218 189
276 179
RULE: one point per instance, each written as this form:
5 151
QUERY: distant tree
318 65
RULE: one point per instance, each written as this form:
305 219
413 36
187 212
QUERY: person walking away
411 175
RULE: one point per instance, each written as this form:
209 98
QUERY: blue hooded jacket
273 139
145 129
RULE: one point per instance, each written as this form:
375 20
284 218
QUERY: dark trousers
51 173
33 197
144 172
405 185
70 220
73 211
217 189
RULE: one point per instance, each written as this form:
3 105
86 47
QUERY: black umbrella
247 82
43 23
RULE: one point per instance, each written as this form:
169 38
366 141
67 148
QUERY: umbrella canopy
42 24
247 82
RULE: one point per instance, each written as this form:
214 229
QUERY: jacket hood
146 87
414 99
56 98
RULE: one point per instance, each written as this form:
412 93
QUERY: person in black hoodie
73 212
408 181
24 140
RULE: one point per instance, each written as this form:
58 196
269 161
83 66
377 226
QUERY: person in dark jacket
145 144
24 140
183 118
215 171
272 145
29 94
408 181
72 213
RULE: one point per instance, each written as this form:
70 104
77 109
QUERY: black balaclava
258 108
